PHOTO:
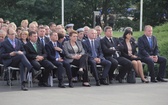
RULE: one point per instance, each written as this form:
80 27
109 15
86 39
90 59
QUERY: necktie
56 52
42 41
35 46
150 41
93 49
13 44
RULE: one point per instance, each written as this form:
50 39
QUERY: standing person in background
148 51
129 52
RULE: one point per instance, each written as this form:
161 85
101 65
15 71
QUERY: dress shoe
153 80
71 84
103 82
144 81
60 84
161 79
80 72
97 83
119 79
43 84
23 86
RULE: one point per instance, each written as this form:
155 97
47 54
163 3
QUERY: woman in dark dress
130 53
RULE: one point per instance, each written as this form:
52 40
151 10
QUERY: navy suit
51 53
31 55
145 51
105 63
19 60
110 54
46 40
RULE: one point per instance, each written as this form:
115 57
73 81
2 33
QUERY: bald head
92 33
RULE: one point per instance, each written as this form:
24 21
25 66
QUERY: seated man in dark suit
93 49
112 48
37 56
148 51
55 55
13 54
41 36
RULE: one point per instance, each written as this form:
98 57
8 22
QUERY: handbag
131 77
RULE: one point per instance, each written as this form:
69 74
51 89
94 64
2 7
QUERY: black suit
110 54
45 39
19 60
31 55
51 55
125 50
145 51
105 63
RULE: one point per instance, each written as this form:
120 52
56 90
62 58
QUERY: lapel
10 45
146 41
52 46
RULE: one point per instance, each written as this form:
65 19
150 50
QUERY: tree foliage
79 12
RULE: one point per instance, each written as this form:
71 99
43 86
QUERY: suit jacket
125 49
31 52
51 51
144 47
106 46
46 39
88 49
6 48
69 51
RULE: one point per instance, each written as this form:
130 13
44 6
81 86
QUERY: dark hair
107 27
73 32
127 32
31 33
60 36
51 23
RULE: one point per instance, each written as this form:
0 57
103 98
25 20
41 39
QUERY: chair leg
50 79
29 78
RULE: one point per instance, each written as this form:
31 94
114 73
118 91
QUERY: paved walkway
114 94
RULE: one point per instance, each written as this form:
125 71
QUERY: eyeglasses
13 34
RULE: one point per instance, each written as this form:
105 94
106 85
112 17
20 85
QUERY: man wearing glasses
13 54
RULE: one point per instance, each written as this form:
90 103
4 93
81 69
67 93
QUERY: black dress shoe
23 86
97 83
71 84
61 86
119 79
161 79
41 84
144 81
154 81
103 82
80 72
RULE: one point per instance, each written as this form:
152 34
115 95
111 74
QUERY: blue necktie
42 41
150 42
93 50
56 52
